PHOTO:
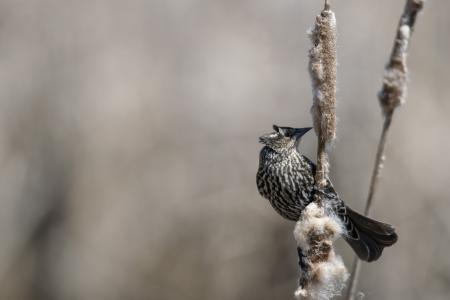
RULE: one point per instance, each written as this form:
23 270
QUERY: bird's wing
337 205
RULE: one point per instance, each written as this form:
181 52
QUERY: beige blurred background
128 146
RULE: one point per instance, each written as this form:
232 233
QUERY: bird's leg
302 259
304 268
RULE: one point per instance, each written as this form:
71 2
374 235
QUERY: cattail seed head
324 275
322 69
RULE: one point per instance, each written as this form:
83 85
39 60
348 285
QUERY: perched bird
286 179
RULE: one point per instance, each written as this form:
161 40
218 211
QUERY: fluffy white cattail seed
323 275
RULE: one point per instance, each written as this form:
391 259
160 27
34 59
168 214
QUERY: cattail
323 274
392 95
393 92
322 69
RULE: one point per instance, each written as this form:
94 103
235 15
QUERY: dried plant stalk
323 274
392 95
322 69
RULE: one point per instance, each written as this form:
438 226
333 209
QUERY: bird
287 179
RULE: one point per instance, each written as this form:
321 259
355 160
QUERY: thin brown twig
379 160
391 96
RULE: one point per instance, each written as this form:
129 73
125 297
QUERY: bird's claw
322 191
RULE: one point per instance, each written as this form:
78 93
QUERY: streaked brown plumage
286 179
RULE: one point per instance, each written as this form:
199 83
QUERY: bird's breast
286 182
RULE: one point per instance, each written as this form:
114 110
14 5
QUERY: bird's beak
299 132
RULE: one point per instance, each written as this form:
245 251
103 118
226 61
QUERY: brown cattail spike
322 69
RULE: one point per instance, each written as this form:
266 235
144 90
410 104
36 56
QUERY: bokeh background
128 146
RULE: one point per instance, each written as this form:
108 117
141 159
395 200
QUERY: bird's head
283 137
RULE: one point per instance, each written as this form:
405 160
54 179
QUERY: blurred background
128 146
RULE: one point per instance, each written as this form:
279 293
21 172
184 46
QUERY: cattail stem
379 160
391 96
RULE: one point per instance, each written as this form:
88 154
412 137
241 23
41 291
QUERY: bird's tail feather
368 237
